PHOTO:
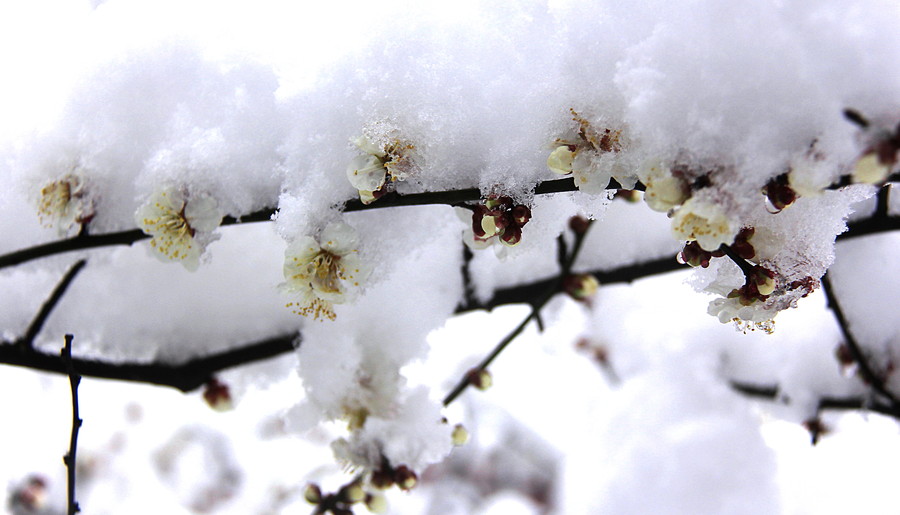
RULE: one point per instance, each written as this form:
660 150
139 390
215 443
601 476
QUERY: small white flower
379 165
753 317
664 190
64 203
181 227
704 223
323 273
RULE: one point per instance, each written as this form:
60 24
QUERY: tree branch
27 341
866 372
771 393
185 376
69 458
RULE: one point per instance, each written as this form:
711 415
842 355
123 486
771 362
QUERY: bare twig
27 340
69 458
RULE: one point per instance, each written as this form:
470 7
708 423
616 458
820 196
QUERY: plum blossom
64 203
181 225
324 272
590 156
704 223
665 190
378 166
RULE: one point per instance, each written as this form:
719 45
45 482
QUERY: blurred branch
866 372
27 340
69 458
185 376
772 393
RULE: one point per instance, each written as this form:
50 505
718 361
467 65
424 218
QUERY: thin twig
566 267
27 340
185 376
865 369
69 458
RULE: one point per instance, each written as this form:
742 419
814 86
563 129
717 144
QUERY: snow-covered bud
560 160
480 378
742 246
694 255
779 193
581 287
376 503
460 435
217 395
312 493
405 478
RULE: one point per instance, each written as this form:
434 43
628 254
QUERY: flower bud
217 395
581 286
312 493
765 281
480 378
405 478
376 503
511 236
560 160
870 170
353 493
579 224
460 435
521 214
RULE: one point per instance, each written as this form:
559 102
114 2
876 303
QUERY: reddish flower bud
521 214
217 395
511 235
479 378
579 224
580 287
779 193
405 478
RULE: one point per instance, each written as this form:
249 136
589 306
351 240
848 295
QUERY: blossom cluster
497 219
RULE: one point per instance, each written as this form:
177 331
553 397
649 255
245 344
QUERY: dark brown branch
866 372
771 393
84 240
37 324
185 376
69 458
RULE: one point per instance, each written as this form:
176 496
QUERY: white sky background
614 461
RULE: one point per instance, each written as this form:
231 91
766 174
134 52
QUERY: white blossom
379 165
704 223
181 225
65 204
324 272
664 190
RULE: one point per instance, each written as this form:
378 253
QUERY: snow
256 107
